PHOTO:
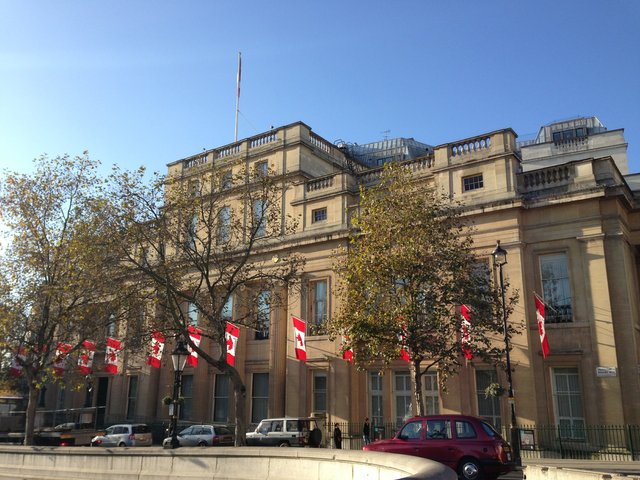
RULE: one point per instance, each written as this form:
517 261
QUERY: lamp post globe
178 358
499 255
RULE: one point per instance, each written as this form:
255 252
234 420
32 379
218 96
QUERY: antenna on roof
385 134
235 137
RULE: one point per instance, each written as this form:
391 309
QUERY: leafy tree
205 241
407 267
57 269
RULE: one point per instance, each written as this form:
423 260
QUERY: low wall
219 463
588 471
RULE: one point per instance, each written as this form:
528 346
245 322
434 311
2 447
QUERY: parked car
124 435
469 445
204 436
286 432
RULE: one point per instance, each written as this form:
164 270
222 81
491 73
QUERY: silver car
125 435
204 436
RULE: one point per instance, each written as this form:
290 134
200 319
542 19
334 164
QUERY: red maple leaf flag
541 330
61 358
347 354
15 370
157 347
231 335
111 355
465 332
85 360
194 335
299 331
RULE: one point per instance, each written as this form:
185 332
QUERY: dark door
101 400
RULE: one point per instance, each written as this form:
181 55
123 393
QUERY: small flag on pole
541 330
231 335
61 357
299 331
157 347
111 355
194 335
85 361
465 332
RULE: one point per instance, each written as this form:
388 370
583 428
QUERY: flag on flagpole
157 347
404 352
194 335
465 332
231 335
347 354
85 360
299 331
111 355
15 370
61 358
541 330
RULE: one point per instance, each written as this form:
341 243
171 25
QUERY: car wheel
202 443
122 444
284 444
469 469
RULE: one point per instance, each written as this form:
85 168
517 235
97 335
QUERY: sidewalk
613 467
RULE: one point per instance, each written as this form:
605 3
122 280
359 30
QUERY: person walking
366 431
337 437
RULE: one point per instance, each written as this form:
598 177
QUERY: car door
225 436
409 439
263 434
186 438
438 444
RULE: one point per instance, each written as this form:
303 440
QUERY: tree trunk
417 387
31 414
239 394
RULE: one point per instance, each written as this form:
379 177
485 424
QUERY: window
226 182
192 312
319 215
191 232
111 326
472 183
556 289
581 132
438 429
227 310
259 397
262 168
431 393
375 392
186 409
224 224
318 304
132 397
567 396
411 431
319 391
488 407
402 393
194 188
557 136
465 429
260 218
221 398
263 315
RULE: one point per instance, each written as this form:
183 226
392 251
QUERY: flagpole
235 138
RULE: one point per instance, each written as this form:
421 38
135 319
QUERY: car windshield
264 427
109 431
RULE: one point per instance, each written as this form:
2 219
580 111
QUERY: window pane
431 393
488 407
568 402
402 395
227 310
132 397
260 398
263 316
193 314
320 391
186 410
375 391
556 288
221 398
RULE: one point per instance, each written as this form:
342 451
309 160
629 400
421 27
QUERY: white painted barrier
219 463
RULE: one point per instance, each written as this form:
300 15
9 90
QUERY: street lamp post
499 260
179 358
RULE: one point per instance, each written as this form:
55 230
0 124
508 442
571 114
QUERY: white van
286 432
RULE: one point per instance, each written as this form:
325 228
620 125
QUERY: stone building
564 207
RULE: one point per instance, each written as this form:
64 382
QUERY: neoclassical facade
563 205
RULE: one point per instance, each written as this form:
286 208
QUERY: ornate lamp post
179 358
499 260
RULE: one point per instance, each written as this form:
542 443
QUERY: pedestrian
366 430
337 437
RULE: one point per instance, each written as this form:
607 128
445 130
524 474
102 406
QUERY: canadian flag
347 354
465 332
194 335
15 370
299 331
541 330
157 347
404 352
111 355
85 360
61 358
231 335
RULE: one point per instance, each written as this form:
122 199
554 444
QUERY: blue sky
149 82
